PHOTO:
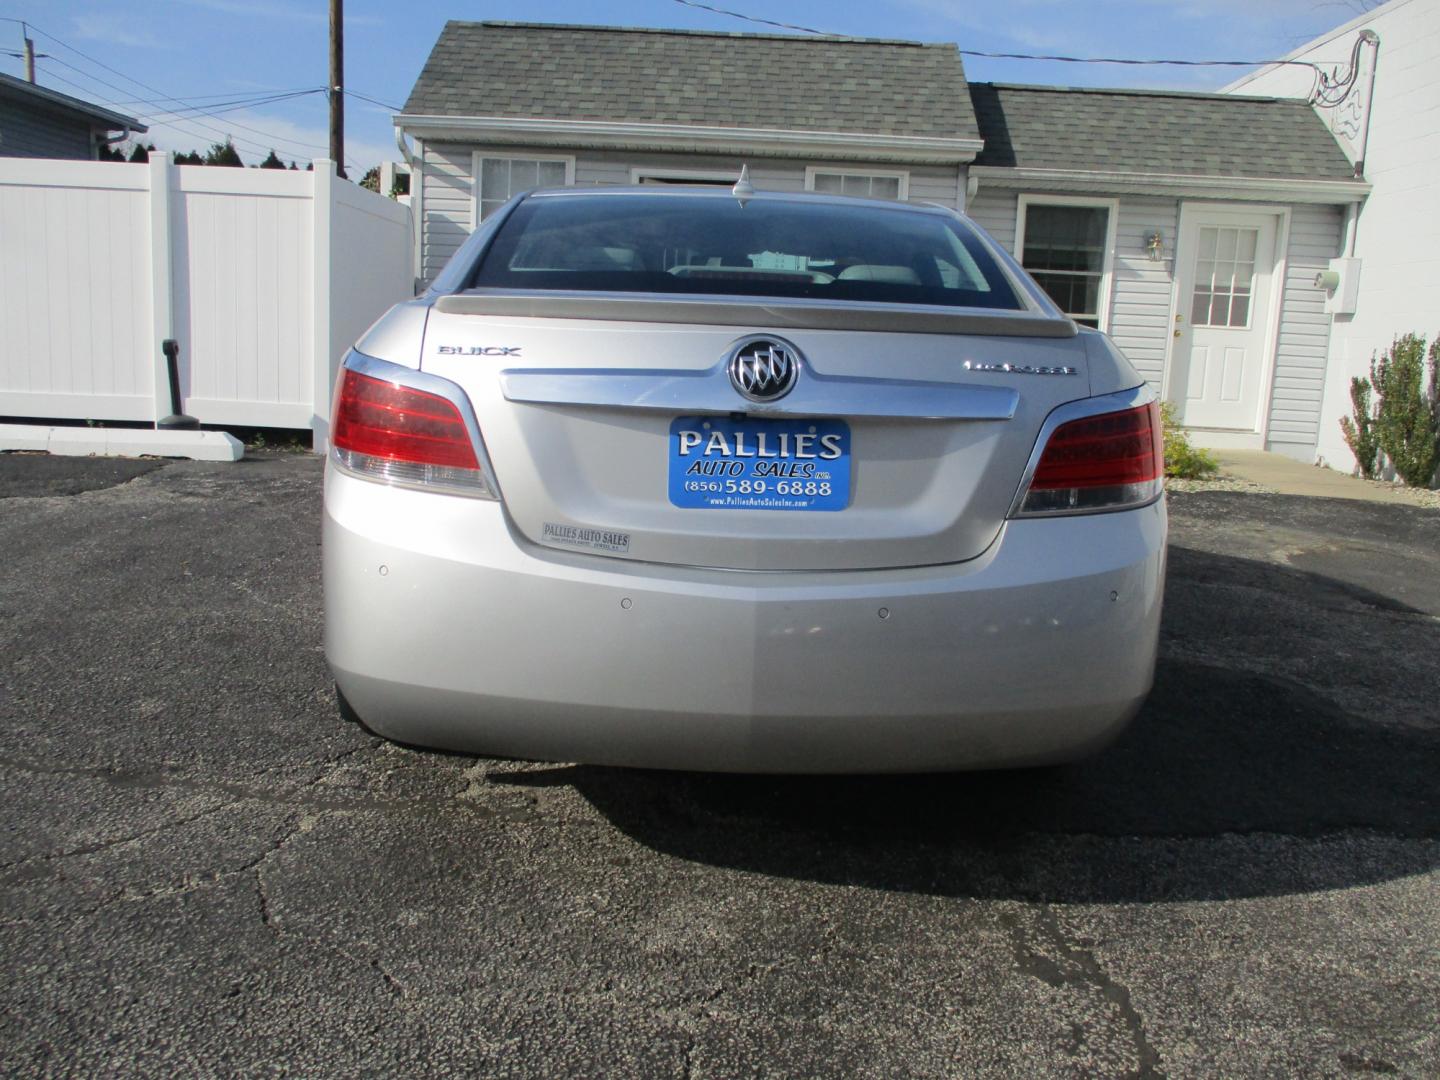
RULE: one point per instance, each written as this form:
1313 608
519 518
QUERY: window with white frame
707 177
500 178
1066 247
869 185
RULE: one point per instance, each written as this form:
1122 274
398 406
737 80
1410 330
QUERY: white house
1387 119
500 107
1191 227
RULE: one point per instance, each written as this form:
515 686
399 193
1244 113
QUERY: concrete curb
122 442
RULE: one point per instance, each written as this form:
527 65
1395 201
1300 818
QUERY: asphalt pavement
205 871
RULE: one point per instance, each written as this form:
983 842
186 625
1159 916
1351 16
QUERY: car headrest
890 275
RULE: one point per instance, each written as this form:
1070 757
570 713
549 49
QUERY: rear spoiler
777 314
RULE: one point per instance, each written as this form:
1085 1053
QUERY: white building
1190 227
1395 129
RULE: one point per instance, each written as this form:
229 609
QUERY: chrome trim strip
1079 410
430 384
759 313
710 391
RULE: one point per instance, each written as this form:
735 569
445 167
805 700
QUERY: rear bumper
443 630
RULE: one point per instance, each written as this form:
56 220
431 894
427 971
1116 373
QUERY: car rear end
758 484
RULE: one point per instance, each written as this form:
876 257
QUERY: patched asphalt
206 872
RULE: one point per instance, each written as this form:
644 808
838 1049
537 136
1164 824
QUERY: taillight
400 435
1107 462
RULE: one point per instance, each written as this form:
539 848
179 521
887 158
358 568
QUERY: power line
190 122
1132 62
236 106
375 101
164 97
752 18
189 129
183 125
207 97
185 120
1016 56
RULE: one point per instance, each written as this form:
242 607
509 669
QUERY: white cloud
113 30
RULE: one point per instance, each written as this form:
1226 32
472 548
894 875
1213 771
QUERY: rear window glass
713 245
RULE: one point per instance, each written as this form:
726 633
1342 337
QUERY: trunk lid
579 417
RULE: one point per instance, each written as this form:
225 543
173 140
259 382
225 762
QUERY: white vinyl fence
264 277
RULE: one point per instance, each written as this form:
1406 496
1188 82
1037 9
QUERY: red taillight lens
402 435
383 420
1103 462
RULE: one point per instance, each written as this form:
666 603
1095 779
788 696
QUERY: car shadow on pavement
1220 756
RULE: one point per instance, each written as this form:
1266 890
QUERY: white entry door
1226 264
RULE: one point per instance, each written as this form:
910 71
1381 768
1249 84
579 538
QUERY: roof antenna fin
743 190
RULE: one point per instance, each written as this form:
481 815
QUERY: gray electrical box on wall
1342 284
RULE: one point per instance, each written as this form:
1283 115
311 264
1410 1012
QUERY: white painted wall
448 183
264 277
1398 234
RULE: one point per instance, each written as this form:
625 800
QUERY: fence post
322 208
162 284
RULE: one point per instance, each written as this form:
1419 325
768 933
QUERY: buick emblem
764 369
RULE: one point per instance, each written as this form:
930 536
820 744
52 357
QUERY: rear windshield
713 245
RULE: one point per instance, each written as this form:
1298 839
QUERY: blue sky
214 54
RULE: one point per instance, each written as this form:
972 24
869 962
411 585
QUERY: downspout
1372 39
417 205
111 140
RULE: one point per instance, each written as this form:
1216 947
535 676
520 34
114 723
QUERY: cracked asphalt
206 872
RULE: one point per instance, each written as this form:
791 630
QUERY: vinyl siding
29 132
1140 293
1298 389
448 205
1139 315
995 210
944 184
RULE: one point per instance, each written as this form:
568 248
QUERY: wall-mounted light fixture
1155 245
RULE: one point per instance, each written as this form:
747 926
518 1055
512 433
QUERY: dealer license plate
721 463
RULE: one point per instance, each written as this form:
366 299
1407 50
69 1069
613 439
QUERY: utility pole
29 54
337 86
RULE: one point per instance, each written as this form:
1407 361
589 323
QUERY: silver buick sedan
740 481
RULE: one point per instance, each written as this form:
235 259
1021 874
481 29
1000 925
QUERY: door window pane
1064 250
1224 276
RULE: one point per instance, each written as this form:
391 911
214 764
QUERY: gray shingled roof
1154 131
44 97
793 83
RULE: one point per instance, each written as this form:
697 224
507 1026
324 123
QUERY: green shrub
1361 431
1408 417
1183 461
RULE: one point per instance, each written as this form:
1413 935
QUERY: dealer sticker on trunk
578 536
724 463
